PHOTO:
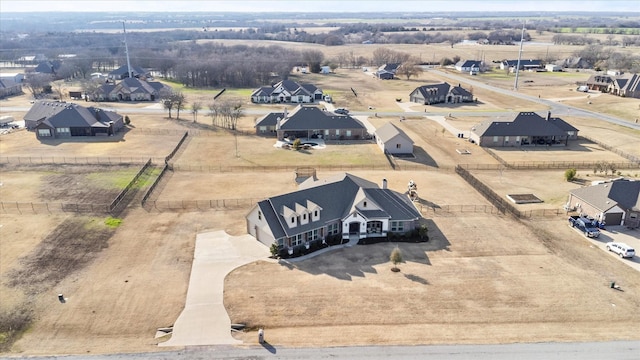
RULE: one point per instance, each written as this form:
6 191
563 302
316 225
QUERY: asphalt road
619 350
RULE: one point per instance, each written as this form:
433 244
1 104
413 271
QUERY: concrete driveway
620 234
204 320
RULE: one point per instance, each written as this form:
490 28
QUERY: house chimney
548 115
384 183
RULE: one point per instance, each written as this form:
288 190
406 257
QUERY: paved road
623 350
556 108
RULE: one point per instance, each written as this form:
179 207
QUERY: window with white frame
397 226
259 215
337 132
495 139
348 133
44 132
63 130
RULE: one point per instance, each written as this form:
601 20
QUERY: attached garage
613 218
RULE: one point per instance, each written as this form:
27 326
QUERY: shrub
570 174
112 222
127 120
296 144
274 249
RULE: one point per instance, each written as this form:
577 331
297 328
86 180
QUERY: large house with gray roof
440 93
130 89
287 91
344 205
528 128
307 122
614 202
52 120
123 72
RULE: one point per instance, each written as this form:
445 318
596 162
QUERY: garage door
613 218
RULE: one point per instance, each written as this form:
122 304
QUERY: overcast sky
319 5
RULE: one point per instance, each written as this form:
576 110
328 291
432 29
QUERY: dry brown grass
456 288
481 279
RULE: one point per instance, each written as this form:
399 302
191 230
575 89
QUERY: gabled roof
60 114
136 86
270 119
428 91
313 118
389 131
289 86
459 90
524 124
523 62
468 63
122 70
633 83
7 83
622 192
389 67
335 196
48 67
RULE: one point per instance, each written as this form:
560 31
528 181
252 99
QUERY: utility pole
126 51
515 86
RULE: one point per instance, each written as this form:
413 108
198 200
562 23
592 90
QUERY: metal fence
48 208
75 160
548 165
200 205
126 189
153 186
503 206
625 155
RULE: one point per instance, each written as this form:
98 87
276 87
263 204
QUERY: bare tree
36 83
409 69
58 88
179 101
313 59
195 107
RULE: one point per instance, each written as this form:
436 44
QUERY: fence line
625 155
126 189
74 160
547 165
154 185
502 205
48 208
175 149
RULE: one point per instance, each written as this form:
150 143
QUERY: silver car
622 249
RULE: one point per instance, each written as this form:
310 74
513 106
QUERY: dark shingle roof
313 118
122 70
59 114
469 63
525 124
270 119
335 196
439 89
621 192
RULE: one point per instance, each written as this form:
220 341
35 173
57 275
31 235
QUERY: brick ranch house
528 128
344 205
614 202
308 122
52 120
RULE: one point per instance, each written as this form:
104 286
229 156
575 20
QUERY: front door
354 228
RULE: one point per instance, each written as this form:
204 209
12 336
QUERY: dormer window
304 216
364 204
315 213
293 220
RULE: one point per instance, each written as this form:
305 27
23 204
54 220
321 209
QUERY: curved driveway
204 320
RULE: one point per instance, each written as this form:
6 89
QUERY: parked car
623 250
587 226
341 111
